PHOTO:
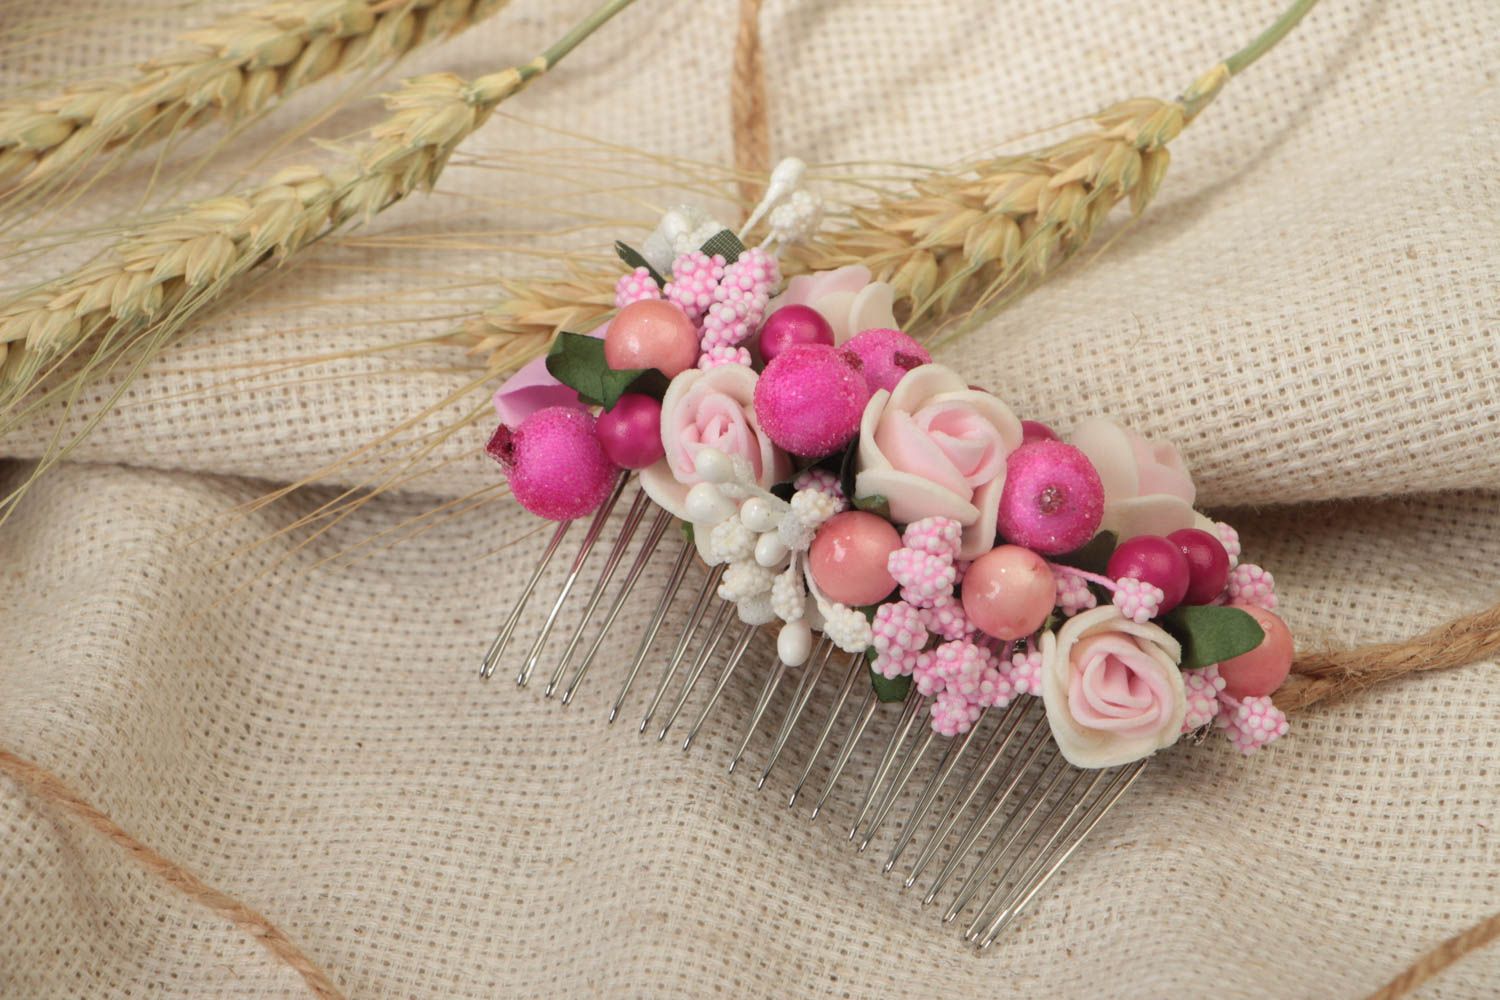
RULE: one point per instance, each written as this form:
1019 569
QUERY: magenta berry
1208 564
790 325
886 356
810 399
1053 500
1154 560
1035 430
631 431
556 466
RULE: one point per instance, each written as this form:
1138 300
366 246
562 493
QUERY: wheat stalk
232 69
149 283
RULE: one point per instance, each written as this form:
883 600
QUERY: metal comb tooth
909 712
663 605
856 732
1027 810
695 618
946 766
806 684
823 735
611 563
596 528
723 617
632 576
741 645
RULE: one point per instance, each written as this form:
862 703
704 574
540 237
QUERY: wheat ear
150 282
232 69
971 236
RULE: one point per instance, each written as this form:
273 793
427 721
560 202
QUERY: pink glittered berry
1251 723
1073 593
886 356
634 287
631 431
695 275
1138 600
1053 500
555 464
922 576
1202 687
1035 430
1024 671
938 535
953 714
1154 560
810 400
1249 584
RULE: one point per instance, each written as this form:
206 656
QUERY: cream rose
1147 489
1112 688
709 409
933 447
845 297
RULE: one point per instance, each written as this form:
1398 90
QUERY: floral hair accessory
839 482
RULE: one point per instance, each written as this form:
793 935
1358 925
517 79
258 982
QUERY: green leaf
725 244
687 530
633 259
875 504
577 361
890 689
1212 634
1093 557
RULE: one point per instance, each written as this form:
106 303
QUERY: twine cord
49 788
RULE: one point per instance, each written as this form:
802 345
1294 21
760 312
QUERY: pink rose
1112 688
710 409
1147 489
933 447
845 297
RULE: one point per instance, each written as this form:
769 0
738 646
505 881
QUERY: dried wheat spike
232 69
159 273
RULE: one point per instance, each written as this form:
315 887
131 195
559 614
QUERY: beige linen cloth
1310 309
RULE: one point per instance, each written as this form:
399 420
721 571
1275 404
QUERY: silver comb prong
935 784
855 661
761 704
1037 740
658 617
606 573
741 646
502 637
627 587
856 732
989 758
695 619
1112 794
717 630
596 528
1016 822
909 711
908 767
822 653
979 926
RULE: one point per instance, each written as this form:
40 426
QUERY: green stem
1268 38
567 43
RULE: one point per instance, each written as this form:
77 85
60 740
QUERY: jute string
748 112
48 787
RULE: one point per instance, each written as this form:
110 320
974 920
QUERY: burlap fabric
1311 310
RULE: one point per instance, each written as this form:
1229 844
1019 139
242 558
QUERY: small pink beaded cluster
984 557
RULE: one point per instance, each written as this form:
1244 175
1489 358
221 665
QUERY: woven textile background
1312 309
